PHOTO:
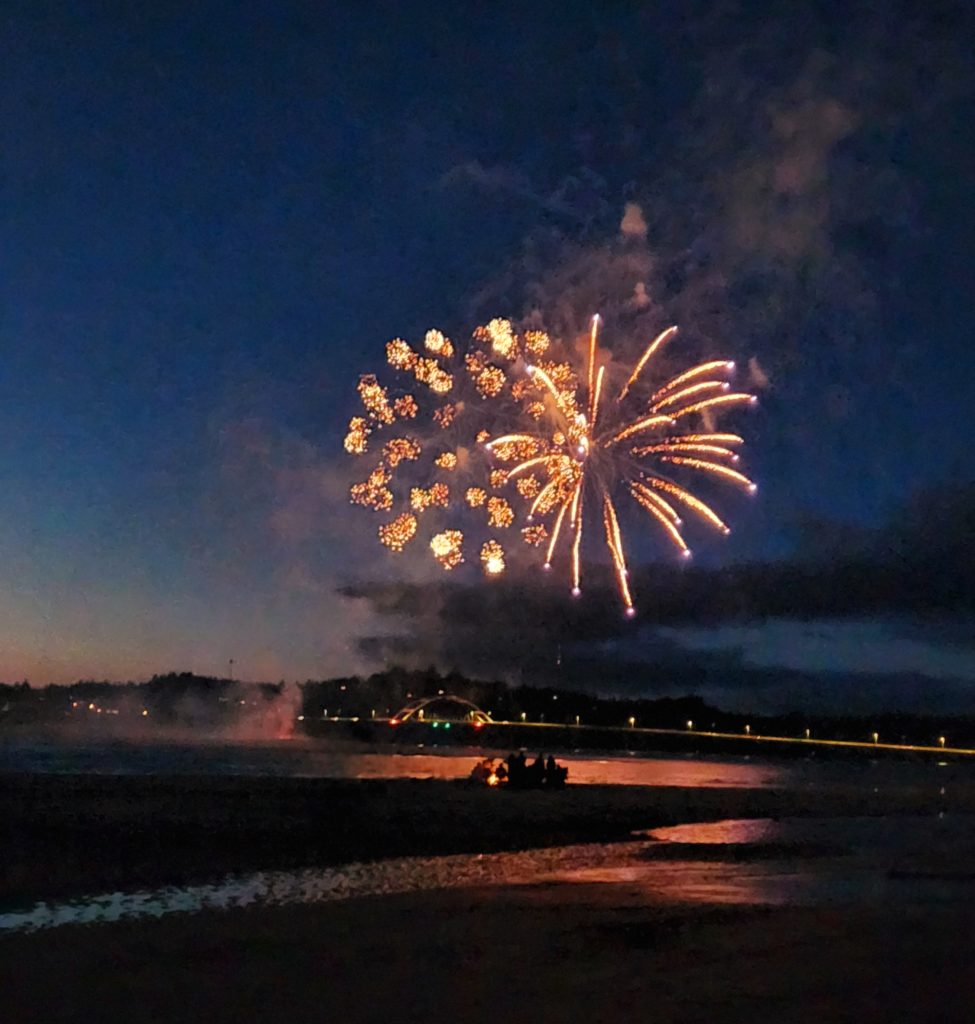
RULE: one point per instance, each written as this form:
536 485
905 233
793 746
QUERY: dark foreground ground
557 951
596 954
67 834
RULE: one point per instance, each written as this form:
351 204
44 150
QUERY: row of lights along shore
631 723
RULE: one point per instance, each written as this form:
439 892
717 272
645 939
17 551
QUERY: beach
559 950
846 903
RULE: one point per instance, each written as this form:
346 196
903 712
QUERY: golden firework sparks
492 557
400 355
356 441
435 496
702 370
580 454
500 336
500 513
447 548
661 339
405 407
575 452
692 390
397 534
399 449
535 535
444 416
536 410
714 403
374 398
677 447
439 345
490 382
537 342
373 493
431 373
510 447
528 486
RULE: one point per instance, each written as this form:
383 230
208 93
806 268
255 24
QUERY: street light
748 730
875 736
632 721
690 724
941 741
523 716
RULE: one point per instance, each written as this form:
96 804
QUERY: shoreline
69 835
597 947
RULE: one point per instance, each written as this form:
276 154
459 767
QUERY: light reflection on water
620 771
732 832
682 882
918 860
281 888
308 759
621 864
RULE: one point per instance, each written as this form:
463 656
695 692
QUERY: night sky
214 216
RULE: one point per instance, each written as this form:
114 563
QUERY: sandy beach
768 931
554 952
65 834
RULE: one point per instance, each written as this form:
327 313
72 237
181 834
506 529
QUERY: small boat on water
518 773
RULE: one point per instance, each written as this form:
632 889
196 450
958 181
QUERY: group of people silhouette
518 773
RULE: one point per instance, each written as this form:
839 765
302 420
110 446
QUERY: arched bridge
416 709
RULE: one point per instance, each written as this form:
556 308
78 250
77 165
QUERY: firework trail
589 447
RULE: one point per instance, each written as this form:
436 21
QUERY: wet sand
704 942
548 953
65 834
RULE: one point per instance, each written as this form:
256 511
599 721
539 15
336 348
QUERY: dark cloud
889 611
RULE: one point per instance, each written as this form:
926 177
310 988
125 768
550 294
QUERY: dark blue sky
214 215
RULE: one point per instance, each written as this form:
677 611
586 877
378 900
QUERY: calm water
311 759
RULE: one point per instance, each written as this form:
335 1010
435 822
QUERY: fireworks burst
590 446
432 475
576 443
